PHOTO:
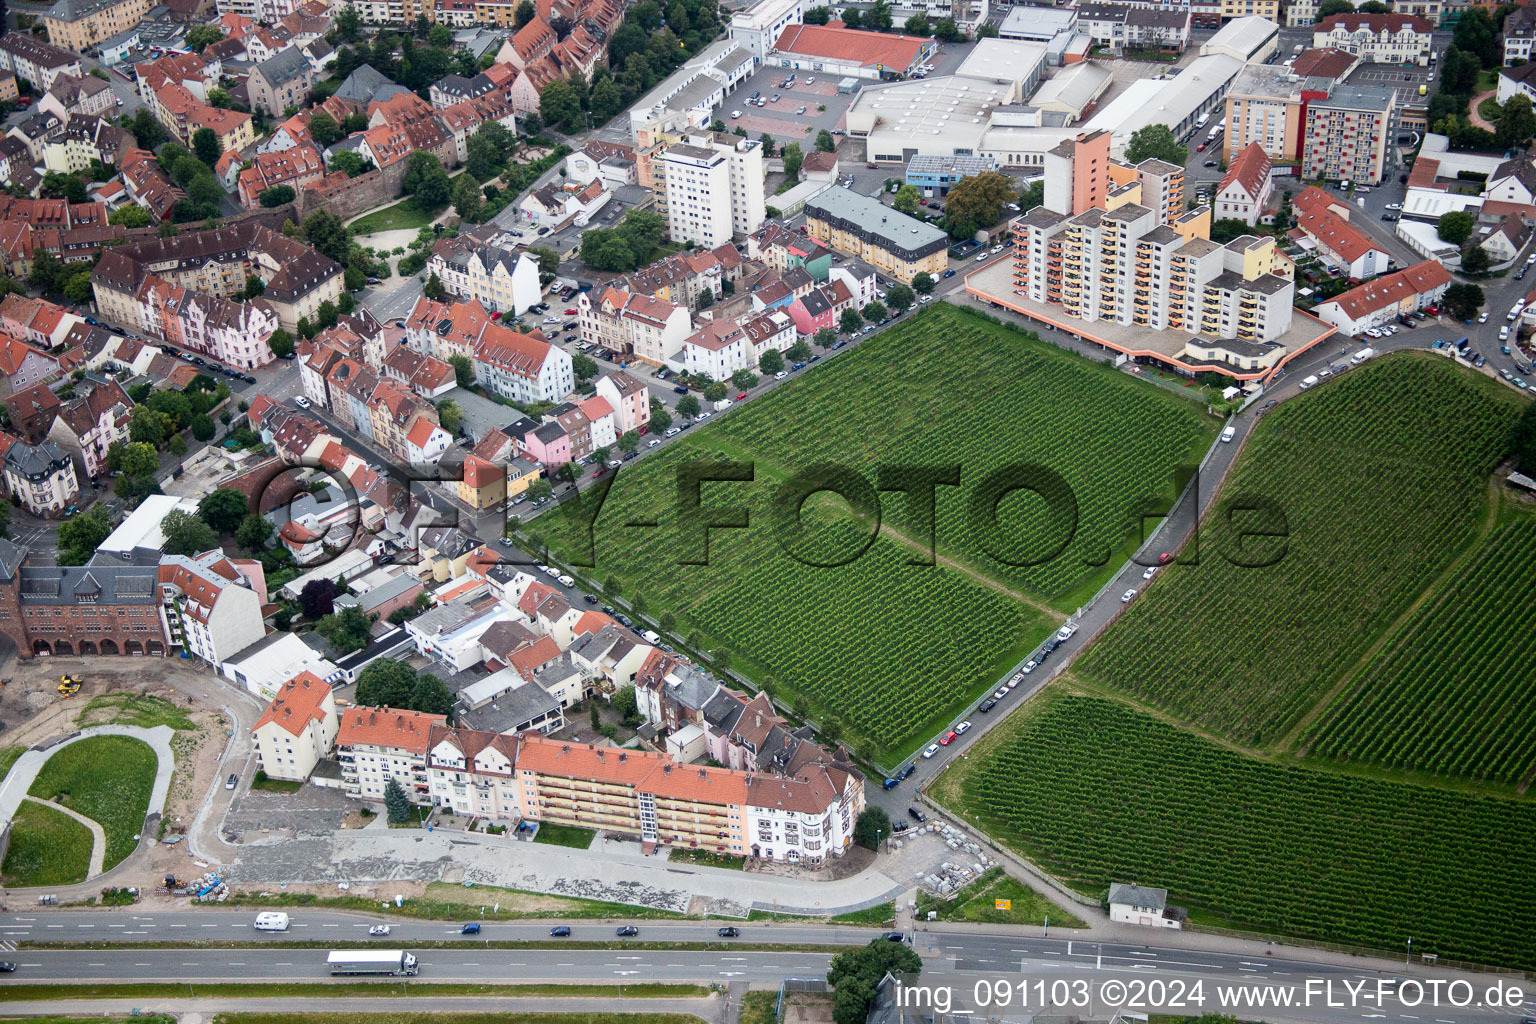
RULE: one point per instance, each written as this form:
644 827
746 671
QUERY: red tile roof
1392 289
1249 170
835 41
387 727
1315 216
299 701
1377 23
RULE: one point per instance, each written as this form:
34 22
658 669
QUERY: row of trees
879 19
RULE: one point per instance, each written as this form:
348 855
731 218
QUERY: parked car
1065 632
948 738
962 728
1149 573
301 402
916 815
933 748
1125 598
232 781
987 705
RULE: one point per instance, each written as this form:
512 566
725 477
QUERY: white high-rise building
713 188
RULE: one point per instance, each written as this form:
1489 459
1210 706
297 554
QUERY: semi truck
371 961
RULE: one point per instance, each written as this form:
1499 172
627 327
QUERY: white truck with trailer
395 962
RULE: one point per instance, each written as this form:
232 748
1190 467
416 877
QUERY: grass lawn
276 785
8 756
708 858
840 625
757 1007
404 214
564 835
107 779
444 901
47 848
878 914
977 902
133 709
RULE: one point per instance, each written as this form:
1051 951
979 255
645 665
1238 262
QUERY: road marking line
85 926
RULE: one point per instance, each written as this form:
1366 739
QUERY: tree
327 235
346 631
917 25
1032 196
923 282
560 105
431 696
219 98
253 532
349 162
584 367
483 161
324 128
148 132
856 973
130 215
396 804
386 683
206 146
281 343
317 597
549 260
946 30
800 351
1517 122
878 17
466 198
45 269
1463 300
818 15
1228 228
824 142
1154 140
1328 8
463 370
826 337
523 14
186 534
1475 260
203 428
899 297
277 195
348 23
426 181
433 289
199 37
147 426
600 454
874 311
225 509
132 459
907 199
5 519
688 407
771 361
769 146
871 825
1456 226
978 200
792 158
1476 34
850 321
629 442
449 415
81 536
852 18
714 391
660 418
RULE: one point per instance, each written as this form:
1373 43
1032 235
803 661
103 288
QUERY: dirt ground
807 1008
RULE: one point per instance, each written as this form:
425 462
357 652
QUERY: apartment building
1378 38
710 187
41 477
891 242
1348 134
629 399
1324 218
522 367
1382 300
472 772
38 62
1519 35
758 27
281 81
375 745
651 330
81 24
502 280
1265 105
212 603
296 730
90 424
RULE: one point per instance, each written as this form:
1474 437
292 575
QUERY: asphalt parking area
1405 79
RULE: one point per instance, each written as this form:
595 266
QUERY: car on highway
948 738
895 937
7 966
1125 598
729 932
962 728
933 748
473 928
949 273
560 931
379 929
627 931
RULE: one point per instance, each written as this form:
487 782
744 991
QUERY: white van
650 636
271 921
1228 434
1362 355
1309 381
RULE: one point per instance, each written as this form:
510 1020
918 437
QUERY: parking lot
1405 79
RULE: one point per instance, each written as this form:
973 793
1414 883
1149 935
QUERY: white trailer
371 961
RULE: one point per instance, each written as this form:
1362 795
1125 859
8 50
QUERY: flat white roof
341 565
943 111
1153 102
763 13
1244 35
1003 60
1073 88
142 527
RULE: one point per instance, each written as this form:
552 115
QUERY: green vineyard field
1381 477
890 648
1100 793
1454 691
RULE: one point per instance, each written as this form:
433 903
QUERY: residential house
38 62
376 745
1387 297
521 367
1246 188
1378 38
88 425
1324 220
213 603
42 477
650 330
281 81
296 730
629 399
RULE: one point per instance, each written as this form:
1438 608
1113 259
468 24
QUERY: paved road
956 962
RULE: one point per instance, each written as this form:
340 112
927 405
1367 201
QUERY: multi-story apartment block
81 24
1269 10
266 12
41 477
629 399
83 140
212 604
281 81
1300 13
296 730
623 323
90 424
1348 134
38 62
375 745
183 115
1378 38
1265 105
73 97
711 187
295 167
1324 218
891 242
521 367
471 772
502 280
